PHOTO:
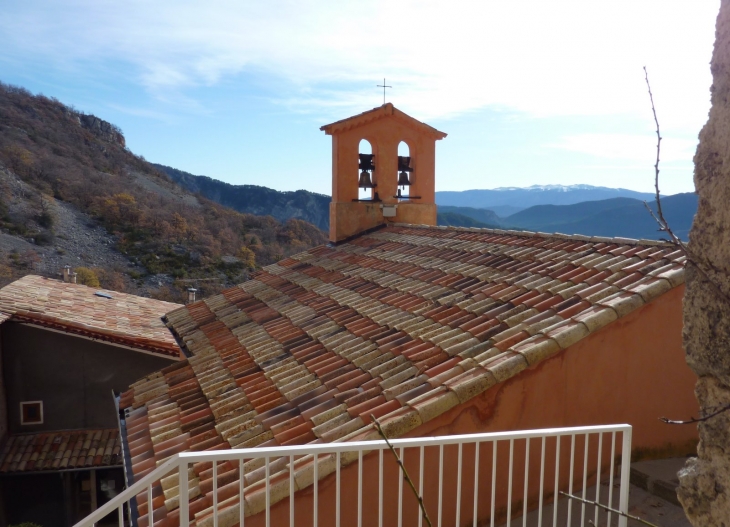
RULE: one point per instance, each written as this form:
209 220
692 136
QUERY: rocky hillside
253 199
71 193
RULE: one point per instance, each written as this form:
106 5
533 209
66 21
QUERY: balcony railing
512 478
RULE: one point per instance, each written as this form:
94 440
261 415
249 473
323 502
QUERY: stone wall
705 482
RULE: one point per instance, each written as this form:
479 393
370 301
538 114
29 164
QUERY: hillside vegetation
65 175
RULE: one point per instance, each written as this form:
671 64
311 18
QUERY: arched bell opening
405 171
366 170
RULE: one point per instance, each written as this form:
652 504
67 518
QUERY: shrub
86 276
44 238
248 257
45 220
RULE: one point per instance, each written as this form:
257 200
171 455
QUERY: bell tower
380 186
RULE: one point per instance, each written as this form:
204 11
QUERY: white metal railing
489 479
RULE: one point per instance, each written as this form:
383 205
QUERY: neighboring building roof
64 450
123 319
403 323
378 113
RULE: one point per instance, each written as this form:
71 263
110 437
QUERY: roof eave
380 112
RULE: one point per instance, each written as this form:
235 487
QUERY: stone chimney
385 128
66 273
191 295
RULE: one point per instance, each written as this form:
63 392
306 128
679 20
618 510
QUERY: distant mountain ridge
624 217
615 212
453 219
254 199
524 198
485 217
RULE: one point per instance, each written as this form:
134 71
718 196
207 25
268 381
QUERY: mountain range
625 217
509 200
574 209
72 193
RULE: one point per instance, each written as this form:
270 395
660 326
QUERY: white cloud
567 57
629 147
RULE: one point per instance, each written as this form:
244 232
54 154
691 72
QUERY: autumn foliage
156 223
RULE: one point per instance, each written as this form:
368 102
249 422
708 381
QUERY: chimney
191 295
73 277
66 273
397 188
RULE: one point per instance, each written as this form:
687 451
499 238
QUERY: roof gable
382 112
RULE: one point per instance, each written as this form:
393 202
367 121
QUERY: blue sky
530 92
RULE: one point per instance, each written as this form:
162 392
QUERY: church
430 330
433 331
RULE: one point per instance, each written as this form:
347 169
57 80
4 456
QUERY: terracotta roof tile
63 450
403 323
126 319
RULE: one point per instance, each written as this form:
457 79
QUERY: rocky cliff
102 129
705 482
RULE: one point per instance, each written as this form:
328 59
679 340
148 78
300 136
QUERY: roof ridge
525 233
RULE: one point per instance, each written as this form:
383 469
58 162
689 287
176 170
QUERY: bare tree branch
658 145
661 219
692 259
403 470
606 507
692 420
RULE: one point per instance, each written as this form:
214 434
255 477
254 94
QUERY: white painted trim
24 403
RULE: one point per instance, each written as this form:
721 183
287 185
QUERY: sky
529 92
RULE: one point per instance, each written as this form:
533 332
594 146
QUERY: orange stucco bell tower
384 128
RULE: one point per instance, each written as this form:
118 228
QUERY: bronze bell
403 180
365 181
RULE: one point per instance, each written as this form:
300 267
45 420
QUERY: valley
73 194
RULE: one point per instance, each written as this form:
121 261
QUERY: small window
31 413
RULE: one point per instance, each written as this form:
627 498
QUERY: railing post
183 494
625 471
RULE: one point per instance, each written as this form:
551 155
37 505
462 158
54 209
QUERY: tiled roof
66 450
377 113
403 323
125 319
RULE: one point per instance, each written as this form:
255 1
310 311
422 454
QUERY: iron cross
384 86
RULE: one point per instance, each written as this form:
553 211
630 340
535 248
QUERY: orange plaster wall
349 219
632 371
